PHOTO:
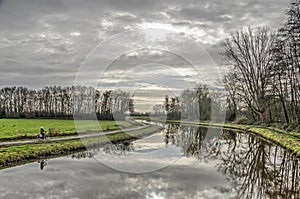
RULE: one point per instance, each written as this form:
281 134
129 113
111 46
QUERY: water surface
179 162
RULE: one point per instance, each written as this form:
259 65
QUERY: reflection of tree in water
119 148
115 149
258 169
82 155
255 167
192 140
171 134
85 154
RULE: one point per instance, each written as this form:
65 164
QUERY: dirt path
5 144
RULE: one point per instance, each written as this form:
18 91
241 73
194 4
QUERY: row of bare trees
196 104
192 104
264 78
172 107
63 102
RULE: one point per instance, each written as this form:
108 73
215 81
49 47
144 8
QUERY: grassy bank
14 155
12 129
287 140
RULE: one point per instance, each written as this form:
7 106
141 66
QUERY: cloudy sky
122 43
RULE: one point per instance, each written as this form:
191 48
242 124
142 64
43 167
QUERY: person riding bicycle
42 133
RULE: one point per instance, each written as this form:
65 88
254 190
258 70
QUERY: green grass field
27 128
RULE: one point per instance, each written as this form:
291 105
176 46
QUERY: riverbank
19 154
287 140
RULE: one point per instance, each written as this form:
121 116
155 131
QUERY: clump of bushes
53 132
291 127
259 123
297 129
243 120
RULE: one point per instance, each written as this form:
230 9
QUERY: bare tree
248 53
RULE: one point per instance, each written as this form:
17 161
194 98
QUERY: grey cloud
230 15
50 37
137 5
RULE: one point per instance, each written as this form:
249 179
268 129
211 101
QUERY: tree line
263 84
191 104
64 102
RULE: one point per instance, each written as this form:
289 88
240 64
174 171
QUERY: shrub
277 125
258 123
297 129
285 126
291 127
53 132
242 120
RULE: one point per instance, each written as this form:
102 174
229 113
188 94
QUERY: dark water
180 162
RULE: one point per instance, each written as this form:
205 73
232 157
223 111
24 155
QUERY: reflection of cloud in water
88 179
149 154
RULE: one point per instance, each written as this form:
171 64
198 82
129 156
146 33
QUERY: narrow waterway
179 162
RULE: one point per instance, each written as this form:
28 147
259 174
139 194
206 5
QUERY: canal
181 161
